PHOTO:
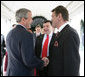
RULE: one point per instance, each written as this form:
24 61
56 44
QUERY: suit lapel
40 43
52 43
63 31
52 40
55 38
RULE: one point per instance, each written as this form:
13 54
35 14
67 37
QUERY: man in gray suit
21 57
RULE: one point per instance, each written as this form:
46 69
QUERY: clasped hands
46 61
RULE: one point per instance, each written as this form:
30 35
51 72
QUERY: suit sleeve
71 55
28 55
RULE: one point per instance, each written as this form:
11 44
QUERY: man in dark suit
65 58
40 46
19 42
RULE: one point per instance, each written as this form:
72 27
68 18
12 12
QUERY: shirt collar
62 26
22 26
49 34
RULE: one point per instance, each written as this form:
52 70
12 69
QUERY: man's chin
46 33
53 26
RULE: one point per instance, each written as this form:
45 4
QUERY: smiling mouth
46 30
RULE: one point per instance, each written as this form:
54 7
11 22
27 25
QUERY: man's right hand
46 61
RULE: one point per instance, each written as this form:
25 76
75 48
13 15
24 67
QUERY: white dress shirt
50 37
59 30
22 26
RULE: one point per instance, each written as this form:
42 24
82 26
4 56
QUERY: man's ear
59 16
23 19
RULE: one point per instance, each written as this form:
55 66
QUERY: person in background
43 45
3 51
14 25
65 58
42 31
5 63
19 45
38 30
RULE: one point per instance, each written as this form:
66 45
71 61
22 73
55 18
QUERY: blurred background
42 10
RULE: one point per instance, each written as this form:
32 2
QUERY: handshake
46 61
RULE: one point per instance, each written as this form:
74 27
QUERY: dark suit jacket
38 50
34 38
64 55
21 57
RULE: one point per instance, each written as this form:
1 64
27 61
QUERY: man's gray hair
21 13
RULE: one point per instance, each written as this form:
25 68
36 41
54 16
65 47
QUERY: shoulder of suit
71 31
54 34
41 36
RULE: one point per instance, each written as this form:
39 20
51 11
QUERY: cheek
53 21
30 21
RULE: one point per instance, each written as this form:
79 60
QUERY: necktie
45 47
44 51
